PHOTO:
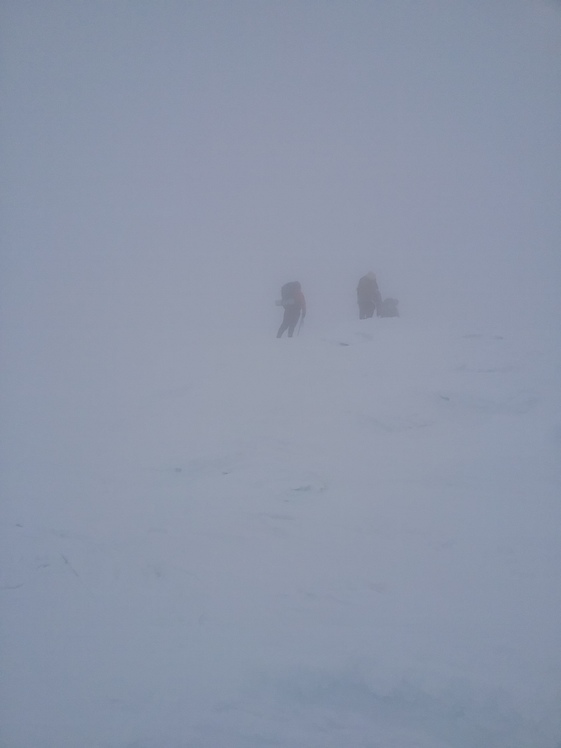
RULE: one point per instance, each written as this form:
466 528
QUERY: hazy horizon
166 166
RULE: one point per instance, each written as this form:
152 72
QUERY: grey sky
166 165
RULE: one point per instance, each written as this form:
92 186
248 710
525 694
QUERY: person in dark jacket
294 305
368 296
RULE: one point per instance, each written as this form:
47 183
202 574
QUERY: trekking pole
300 325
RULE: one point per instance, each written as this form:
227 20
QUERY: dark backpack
289 292
388 308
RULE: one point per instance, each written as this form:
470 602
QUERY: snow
349 538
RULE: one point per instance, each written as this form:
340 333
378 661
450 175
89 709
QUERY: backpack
289 292
388 308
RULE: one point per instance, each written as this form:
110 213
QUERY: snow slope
350 538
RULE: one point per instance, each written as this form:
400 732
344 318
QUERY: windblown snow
347 539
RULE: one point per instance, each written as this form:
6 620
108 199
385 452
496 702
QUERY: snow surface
349 539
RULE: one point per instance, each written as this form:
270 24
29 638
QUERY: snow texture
350 538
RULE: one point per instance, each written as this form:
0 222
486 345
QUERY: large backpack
388 308
289 292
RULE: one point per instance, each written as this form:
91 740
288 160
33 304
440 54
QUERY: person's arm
303 304
377 300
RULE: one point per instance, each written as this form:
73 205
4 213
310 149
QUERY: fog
167 166
210 537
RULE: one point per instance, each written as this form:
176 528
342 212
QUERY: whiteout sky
167 165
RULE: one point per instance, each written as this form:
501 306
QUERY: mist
211 537
166 167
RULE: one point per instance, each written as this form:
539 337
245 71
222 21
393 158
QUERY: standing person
368 296
294 303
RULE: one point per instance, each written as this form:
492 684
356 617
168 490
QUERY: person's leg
284 324
292 322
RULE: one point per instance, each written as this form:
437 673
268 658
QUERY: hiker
294 303
368 296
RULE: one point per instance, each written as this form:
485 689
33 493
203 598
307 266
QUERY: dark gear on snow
388 308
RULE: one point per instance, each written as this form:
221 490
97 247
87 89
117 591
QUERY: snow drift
350 538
